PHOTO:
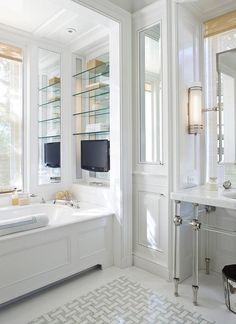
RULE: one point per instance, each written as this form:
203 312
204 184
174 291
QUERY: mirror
150 87
49 117
226 97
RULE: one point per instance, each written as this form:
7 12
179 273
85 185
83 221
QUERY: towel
18 224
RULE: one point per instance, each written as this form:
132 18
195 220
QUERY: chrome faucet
227 184
70 203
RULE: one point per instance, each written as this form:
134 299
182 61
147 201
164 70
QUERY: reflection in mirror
150 87
226 68
49 117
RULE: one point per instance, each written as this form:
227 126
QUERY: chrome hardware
195 224
207 261
177 221
195 292
210 109
176 284
227 184
70 203
76 204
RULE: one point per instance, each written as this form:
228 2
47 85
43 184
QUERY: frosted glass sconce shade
195 124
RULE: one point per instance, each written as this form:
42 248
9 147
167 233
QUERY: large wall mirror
150 89
49 117
226 68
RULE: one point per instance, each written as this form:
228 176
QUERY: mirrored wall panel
150 87
226 68
49 117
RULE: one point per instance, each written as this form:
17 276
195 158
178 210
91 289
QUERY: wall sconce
195 125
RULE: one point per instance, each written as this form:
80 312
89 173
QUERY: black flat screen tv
95 155
52 155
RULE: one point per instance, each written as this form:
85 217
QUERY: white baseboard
151 266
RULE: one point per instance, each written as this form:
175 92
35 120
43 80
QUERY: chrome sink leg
196 225
207 261
177 222
209 209
195 292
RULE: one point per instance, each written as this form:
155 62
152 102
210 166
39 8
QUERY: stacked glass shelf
50 117
92 102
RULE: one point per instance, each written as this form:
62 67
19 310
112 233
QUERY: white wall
190 153
188 149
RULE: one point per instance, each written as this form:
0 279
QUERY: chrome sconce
195 124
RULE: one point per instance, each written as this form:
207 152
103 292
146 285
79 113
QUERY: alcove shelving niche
92 108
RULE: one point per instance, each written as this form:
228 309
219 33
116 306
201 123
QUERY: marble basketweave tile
121 301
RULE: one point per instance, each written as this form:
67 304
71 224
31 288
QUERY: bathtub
67 242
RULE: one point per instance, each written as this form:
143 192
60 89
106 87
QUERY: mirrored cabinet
49 117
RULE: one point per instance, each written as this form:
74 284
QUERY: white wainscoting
151 217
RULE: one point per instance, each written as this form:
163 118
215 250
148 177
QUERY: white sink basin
230 194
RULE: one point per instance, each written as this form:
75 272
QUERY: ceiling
50 19
132 5
204 7
210 8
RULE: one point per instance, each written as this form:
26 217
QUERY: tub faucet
227 184
73 203
70 203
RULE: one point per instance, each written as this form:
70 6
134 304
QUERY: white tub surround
209 201
73 240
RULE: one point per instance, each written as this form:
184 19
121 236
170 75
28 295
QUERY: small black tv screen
52 155
95 155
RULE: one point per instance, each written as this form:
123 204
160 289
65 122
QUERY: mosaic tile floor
121 301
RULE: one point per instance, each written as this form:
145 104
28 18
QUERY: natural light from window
11 111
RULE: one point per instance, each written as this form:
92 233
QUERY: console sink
230 194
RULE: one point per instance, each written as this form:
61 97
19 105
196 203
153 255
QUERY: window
11 112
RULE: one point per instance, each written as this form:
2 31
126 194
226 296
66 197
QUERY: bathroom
117 167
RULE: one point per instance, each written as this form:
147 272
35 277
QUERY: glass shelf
95 115
96 112
94 70
55 119
50 102
92 93
56 85
105 74
92 133
52 136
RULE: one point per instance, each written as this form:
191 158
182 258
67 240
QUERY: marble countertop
205 197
